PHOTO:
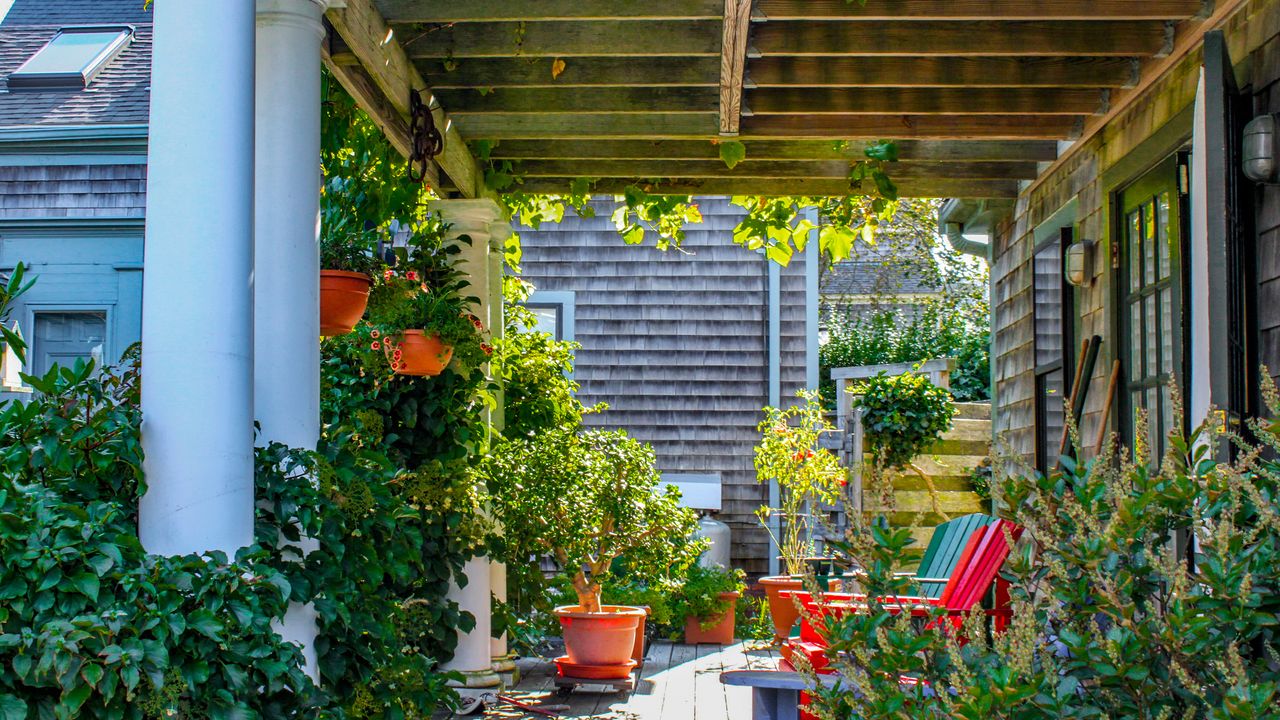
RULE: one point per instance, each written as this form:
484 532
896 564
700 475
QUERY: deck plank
708 690
679 698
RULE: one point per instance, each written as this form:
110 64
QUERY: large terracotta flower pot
606 638
721 633
782 608
421 354
343 297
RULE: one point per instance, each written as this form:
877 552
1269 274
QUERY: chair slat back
984 564
948 542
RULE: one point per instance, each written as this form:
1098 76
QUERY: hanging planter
418 353
343 298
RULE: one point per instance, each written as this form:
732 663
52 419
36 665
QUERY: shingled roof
119 95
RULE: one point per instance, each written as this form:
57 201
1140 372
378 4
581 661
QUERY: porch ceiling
978 92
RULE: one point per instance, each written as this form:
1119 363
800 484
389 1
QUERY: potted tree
348 260
806 473
706 603
587 499
418 312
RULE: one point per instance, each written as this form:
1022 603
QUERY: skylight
72 58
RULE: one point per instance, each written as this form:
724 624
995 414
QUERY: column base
486 680
505 667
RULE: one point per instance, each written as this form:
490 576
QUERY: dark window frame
1046 455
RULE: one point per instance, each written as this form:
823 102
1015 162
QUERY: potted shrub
587 499
348 262
418 314
707 603
806 474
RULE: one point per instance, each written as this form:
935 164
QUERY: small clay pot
343 298
721 633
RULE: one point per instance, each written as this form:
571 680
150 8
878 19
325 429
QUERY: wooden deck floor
678 682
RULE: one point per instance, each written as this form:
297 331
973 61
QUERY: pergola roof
977 92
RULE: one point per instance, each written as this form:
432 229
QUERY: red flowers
375 334
803 455
411 276
486 349
388 274
375 346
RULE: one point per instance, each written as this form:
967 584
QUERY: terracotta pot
719 634
604 638
421 354
343 297
782 609
637 651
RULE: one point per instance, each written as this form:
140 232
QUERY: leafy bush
1115 611
934 330
790 454
902 416
699 594
587 499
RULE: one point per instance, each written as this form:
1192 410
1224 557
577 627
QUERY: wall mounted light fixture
1259 151
1077 262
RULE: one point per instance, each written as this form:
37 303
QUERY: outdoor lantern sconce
1076 261
1259 149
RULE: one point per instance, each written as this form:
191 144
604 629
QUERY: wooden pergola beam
388 67
925 188
445 11
978 9
577 72
941 127
908 150
961 38
591 126
560 100
925 101
733 61
603 38
831 169
882 71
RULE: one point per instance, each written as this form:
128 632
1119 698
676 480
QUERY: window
554 311
72 58
1151 292
1054 317
62 338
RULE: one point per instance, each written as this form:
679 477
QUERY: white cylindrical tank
717 554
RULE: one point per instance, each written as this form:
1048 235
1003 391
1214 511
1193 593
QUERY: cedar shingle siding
676 344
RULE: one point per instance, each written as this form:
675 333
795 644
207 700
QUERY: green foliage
1114 612
586 498
346 242
641 214
9 292
536 369
732 152
790 454
902 416
699 594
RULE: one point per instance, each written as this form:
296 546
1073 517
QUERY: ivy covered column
197 298
286 263
484 223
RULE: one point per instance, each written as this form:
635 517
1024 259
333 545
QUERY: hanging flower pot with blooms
349 260
420 319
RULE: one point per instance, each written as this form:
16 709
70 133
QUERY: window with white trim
72 59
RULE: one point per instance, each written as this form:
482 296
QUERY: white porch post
483 221
286 263
197 314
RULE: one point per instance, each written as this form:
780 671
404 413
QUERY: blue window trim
561 299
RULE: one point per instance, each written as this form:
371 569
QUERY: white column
502 659
197 314
286 263
482 220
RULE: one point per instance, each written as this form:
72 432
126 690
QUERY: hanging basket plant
349 260
420 319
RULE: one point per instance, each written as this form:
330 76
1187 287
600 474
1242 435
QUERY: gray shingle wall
70 12
72 191
675 343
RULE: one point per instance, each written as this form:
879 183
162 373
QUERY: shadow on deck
677 682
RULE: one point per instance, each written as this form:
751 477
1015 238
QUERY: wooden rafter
386 65
931 187
952 127
908 150
577 72
837 169
979 9
571 99
442 11
925 101
961 38
604 38
944 72
733 61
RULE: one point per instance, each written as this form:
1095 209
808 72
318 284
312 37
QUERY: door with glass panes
1152 287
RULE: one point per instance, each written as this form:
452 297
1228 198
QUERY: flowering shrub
1115 611
789 452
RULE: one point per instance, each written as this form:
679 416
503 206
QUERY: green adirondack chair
944 550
